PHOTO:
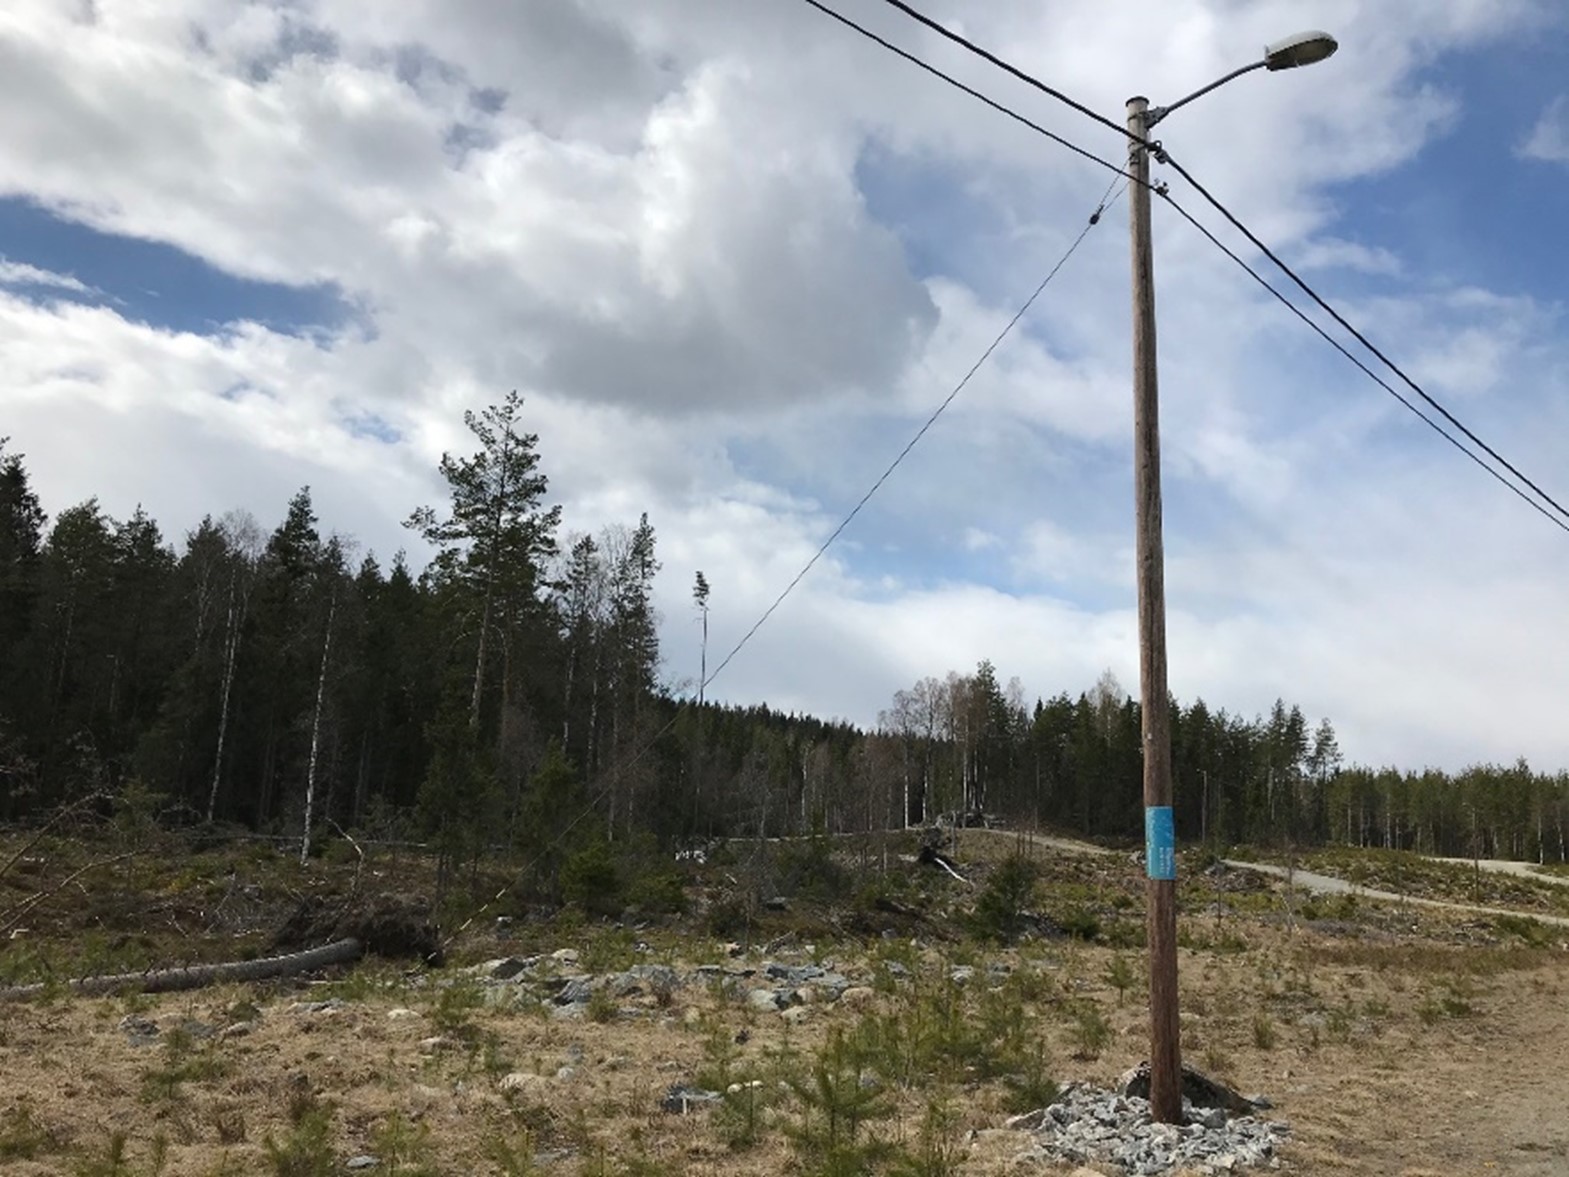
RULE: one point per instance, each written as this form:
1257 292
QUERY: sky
733 255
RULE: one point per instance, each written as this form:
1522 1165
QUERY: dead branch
10 917
60 815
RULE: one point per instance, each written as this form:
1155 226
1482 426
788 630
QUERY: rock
331 1005
401 1014
796 1014
363 1161
576 991
1207 1117
566 957
436 1042
646 978
565 1073
962 974
506 970
1198 1089
777 903
140 1031
767 1000
523 1083
857 997
237 1030
682 1099
1028 1122
1086 1125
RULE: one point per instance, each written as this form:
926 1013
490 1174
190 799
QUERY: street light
1159 825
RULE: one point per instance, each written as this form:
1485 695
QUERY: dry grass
1359 1031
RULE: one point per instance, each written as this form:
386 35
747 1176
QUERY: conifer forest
511 694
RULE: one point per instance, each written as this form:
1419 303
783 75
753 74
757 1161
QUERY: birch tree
245 546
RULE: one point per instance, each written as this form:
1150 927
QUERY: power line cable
919 433
1163 156
971 91
1360 337
622 768
1367 371
1010 68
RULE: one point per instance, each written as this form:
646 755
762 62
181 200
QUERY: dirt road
1505 866
1326 885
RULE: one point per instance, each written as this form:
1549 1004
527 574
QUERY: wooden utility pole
1159 829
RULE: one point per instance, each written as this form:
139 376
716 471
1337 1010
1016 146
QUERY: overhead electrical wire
1363 339
1164 157
971 91
921 432
1371 375
619 770
1007 67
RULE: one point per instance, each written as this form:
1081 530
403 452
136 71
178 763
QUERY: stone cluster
1090 1125
557 981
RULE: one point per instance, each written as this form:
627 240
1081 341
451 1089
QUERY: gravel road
1326 885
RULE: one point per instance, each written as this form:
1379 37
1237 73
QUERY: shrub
999 912
1119 975
307 1150
590 879
1080 923
1091 1032
22 1137
808 868
658 893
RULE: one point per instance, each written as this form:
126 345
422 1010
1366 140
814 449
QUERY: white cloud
1549 137
663 223
22 274
1331 253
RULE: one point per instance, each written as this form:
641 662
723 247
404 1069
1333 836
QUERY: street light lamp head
1301 49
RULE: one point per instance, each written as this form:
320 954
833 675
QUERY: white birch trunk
321 694
231 644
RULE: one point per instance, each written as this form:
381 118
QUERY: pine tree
21 542
492 544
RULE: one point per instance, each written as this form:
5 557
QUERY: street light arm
1155 114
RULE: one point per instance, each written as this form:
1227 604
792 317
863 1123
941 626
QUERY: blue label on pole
1160 842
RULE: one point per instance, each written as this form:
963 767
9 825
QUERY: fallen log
201 975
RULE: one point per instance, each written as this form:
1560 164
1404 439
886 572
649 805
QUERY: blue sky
159 284
733 263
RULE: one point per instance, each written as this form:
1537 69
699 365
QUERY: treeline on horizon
509 695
